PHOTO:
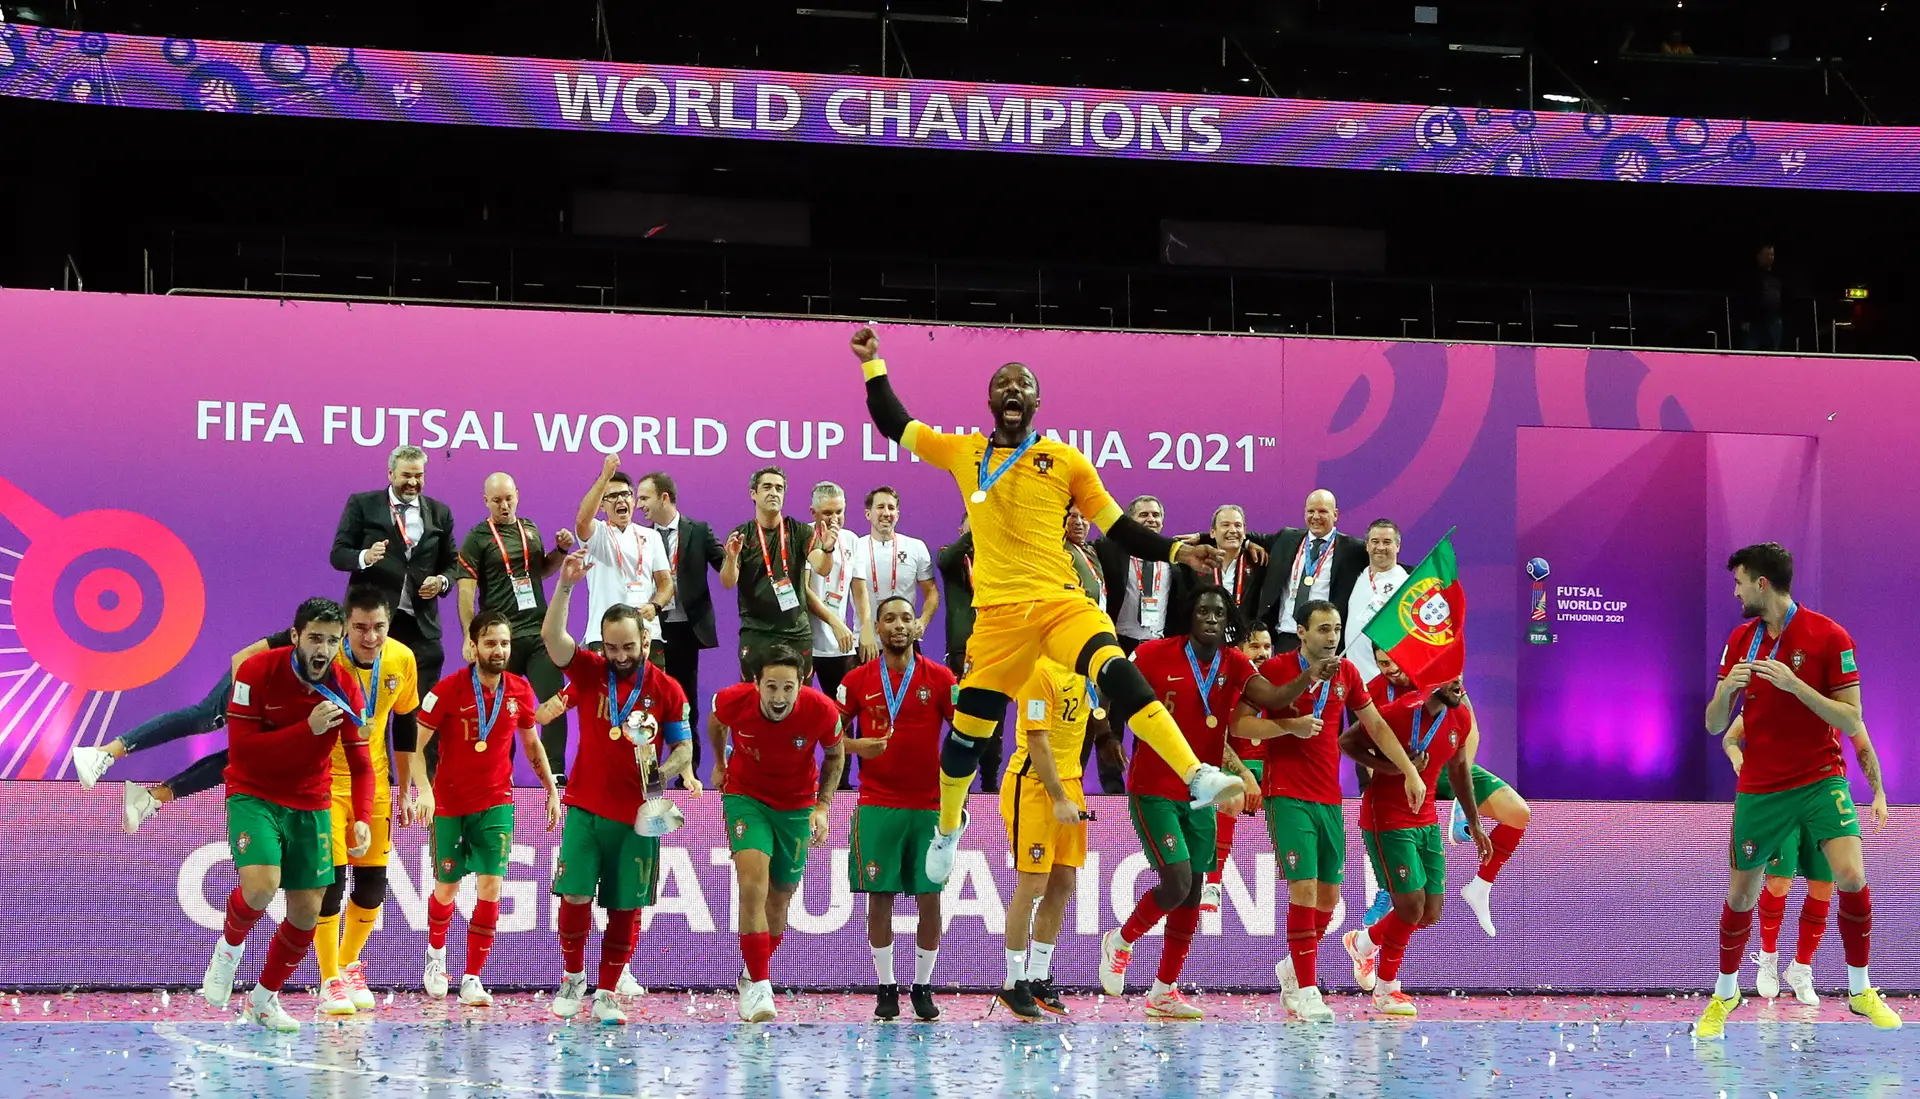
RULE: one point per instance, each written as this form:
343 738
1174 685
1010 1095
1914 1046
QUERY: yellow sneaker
1712 1026
1870 1004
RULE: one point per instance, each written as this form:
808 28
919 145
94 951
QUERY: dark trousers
529 658
1285 642
201 775
428 657
683 664
828 671
992 750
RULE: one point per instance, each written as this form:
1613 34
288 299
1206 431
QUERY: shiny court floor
686 1044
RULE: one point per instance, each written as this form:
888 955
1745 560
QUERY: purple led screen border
398 86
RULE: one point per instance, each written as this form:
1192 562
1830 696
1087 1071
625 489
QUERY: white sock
1160 988
1766 957
1016 967
1728 986
883 964
923 965
1040 961
1387 988
1857 979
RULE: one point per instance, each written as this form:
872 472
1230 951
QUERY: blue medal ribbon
617 711
1204 683
895 699
1423 738
1760 633
326 691
1319 703
986 479
482 716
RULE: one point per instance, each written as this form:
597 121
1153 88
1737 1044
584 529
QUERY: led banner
390 85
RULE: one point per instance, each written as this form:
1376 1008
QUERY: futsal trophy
657 817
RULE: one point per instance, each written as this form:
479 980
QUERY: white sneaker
1338 916
1210 897
740 986
1210 786
334 999
264 1008
89 764
1767 981
1115 957
434 982
756 1006
137 807
1800 979
356 977
1310 1007
941 851
1170 1004
1289 980
628 986
1389 1000
1365 957
473 993
606 1008
573 989
1476 894
217 984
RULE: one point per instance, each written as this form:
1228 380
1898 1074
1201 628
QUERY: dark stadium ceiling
1836 61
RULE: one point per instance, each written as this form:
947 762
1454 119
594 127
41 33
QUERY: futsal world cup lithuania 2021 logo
103 602
1539 628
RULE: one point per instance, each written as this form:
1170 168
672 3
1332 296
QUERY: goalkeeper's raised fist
865 344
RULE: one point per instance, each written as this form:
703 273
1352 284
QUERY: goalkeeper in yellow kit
1027 598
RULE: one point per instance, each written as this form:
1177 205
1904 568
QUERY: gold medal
479 745
979 496
613 733
1099 713
1213 722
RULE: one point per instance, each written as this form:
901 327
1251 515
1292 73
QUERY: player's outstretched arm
553 628
890 416
1270 696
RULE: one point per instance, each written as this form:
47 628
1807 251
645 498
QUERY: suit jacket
699 552
1116 567
956 597
1349 561
367 519
1186 582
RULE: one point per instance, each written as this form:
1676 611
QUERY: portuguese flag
1424 628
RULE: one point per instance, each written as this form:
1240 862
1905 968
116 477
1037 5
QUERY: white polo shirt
836 591
623 566
1371 594
895 568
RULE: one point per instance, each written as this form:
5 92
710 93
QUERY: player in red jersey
764 733
1200 680
1403 835
1301 785
1799 856
290 706
1256 644
470 803
627 707
899 704
1800 680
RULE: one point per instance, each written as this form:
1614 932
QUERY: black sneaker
886 1007
1019 1000
1046 997
924 1008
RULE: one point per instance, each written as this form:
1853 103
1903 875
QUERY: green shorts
755 644
474 843
1765 825
753 825
889 850
1309 839
1800 857
1485 782
298 841
1408 860
606 860
1170 832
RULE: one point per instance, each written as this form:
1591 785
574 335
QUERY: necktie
406 535
1305 595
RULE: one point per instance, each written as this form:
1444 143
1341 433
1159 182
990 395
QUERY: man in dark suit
401 541
1138 591
687 626
1303 565
1240 575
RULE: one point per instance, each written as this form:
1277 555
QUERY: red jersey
604 778
1164 664
1309 769
470 781
907 774
1383 804
1788 745
271 752
772 761
1383 691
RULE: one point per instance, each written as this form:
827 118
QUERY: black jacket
368 518
1349 561
699 552
1186 582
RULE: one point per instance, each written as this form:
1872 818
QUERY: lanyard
1390 690
873 567
618 711
1205 683
836 586
1304 575
1374 584
1760 633
327 692
482 716
674 557
896 699
986 479
766 559
1422 739
1239 577
620 551
1093 568
1140 579
400 524
526 563
1319 703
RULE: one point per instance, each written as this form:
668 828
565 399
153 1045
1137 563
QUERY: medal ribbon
617 712
986 479
482 716
1319 703
1204 683
895 699
326 691
1422 739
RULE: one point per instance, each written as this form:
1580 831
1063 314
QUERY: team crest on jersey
1748 848
647 703
1453 739
392 682
513 707
1402 871
1166 842
560 868
740 829
1340 690
1293 860
1799 658
1043 463
871 870
245 841
1036 852
799 742
446 866
924 696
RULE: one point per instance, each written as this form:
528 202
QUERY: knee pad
976 713
1124 688
369 886
330 901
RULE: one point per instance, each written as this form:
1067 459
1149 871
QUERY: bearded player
1301 785
625 704
898 705
1256 645
1403 836
290 706
1028 602
1799 856
470 803
1798 675
764 733
1201 680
